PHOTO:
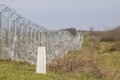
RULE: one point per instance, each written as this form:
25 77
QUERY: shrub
115 46
75 62
109 35
72 31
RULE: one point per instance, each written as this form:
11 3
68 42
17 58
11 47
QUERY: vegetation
102 60
99 61
72 31
10 70
109 35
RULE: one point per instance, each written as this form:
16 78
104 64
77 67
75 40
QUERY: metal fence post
0 35
1 28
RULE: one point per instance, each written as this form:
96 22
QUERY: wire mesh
20 37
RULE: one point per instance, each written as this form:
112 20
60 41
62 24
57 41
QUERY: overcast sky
81 14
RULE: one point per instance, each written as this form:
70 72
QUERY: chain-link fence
19 38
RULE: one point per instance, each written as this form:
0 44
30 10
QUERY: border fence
20 37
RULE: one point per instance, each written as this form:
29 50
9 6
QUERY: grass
22 71
105 62
99 61
110 61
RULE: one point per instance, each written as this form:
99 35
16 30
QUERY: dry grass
10 70
97 60
109 35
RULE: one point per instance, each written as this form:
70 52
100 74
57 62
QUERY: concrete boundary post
41 61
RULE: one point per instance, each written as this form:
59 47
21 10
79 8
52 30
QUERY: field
99 62
22 71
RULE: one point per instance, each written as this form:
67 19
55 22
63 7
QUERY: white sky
81 14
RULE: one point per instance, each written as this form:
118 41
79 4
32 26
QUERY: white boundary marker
41 61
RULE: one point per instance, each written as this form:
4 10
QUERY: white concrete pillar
41 61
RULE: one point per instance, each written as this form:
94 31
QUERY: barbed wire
20 37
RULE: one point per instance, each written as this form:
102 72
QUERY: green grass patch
22 71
